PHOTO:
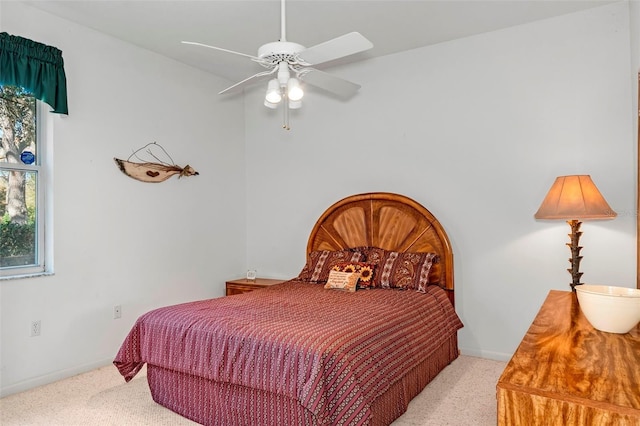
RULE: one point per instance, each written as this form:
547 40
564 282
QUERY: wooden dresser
565 372
244 285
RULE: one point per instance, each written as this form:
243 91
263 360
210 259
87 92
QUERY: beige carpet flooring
462 394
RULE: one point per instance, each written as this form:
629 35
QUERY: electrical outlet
36 327
117 312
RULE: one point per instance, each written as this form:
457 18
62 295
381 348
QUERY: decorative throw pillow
366 271
320 262
405 270
342 280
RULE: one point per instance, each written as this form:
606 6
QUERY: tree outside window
19 182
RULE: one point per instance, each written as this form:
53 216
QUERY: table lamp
573 198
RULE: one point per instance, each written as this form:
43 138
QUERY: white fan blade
330 83
247 81
336 48
219 48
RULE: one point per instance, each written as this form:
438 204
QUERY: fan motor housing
279 48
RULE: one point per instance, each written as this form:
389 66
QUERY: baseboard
52 377
496 356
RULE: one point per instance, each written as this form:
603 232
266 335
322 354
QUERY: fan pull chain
285 101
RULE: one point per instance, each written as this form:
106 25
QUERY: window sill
33 275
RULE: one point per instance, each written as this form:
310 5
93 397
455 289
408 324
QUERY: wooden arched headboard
389 221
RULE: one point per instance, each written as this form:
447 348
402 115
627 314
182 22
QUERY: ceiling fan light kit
285 58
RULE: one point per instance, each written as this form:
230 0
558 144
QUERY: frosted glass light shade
294 91
270 104
273 95
574 197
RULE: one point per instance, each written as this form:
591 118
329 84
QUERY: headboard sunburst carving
389 221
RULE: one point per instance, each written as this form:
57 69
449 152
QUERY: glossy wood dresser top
566 370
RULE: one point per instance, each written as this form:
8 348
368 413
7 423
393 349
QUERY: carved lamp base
575 253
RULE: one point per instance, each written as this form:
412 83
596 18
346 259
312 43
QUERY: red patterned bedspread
333 351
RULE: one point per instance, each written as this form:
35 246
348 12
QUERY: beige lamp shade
574 197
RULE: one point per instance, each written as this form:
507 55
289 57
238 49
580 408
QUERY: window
24 182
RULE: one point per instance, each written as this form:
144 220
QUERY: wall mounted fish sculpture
149 171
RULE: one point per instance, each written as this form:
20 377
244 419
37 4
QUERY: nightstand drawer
244 285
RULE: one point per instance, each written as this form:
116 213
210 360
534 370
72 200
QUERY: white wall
117 240
476 130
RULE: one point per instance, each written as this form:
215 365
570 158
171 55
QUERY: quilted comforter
333 351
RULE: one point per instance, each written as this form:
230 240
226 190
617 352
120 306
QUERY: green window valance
36 67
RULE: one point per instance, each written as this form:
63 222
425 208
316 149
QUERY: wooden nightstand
244 285
566 372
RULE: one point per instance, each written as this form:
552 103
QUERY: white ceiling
243 25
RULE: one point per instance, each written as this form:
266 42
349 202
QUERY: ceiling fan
288 64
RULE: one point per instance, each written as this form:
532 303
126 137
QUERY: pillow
320 262
366 271
342 280
405 270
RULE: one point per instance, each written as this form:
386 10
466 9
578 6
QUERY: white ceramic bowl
609 308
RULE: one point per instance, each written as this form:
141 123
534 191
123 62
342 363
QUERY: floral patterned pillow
342 280
321 262
404 270
366 271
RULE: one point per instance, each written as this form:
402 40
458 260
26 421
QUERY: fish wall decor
150 171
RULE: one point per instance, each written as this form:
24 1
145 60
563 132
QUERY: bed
305 352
